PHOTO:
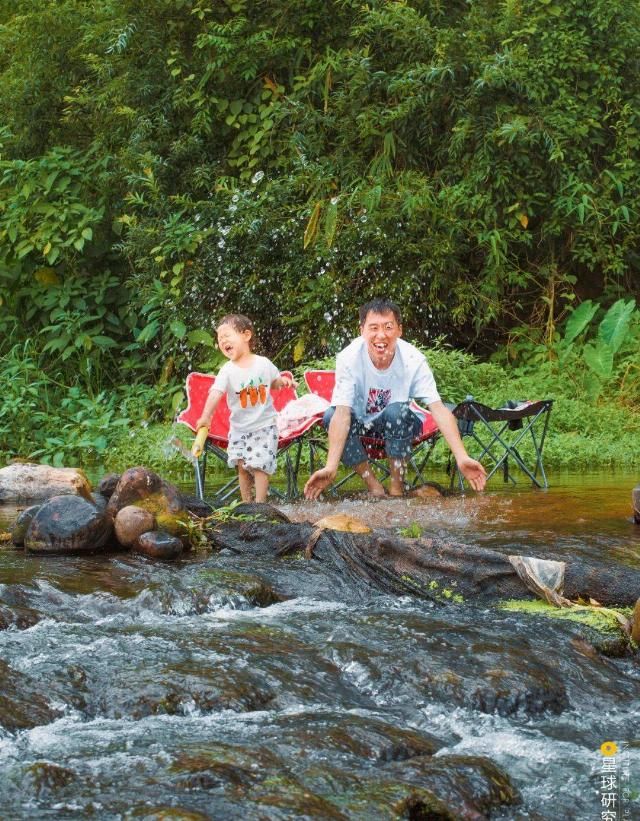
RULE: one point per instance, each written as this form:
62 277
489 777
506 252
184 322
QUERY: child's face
232 343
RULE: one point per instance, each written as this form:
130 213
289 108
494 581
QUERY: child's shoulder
264 361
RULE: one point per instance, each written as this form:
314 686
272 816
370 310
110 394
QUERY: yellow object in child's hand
198 442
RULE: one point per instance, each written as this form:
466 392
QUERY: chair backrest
197 387
282 396
321 383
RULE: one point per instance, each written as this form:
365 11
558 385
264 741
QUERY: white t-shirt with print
248 393
367 390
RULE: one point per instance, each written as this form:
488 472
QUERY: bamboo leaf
330 221
312 226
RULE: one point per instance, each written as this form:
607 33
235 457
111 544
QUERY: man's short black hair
379 306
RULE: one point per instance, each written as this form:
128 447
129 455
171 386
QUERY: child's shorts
256 448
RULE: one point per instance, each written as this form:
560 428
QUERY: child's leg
262 485
246 482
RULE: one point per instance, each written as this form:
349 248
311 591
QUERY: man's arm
471 469
338 432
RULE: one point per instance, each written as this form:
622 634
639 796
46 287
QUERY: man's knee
399 417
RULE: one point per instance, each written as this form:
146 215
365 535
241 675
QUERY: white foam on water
276 612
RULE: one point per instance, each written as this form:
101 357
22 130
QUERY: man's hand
473 472
318 481
203 422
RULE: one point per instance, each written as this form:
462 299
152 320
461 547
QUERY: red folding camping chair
289 447
322 383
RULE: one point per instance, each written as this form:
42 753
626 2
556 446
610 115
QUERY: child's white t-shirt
367 390
248 393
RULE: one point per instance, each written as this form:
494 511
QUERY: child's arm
210 405
283 382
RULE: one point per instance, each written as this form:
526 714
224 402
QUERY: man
376 377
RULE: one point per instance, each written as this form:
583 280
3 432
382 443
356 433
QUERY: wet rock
24 482
635 630
144 488
68 524
353 738
158 545
22 706
198 507
22 523
131 522
49 778
231 584
471 787
108 484
635 499
19 617
99 501
427 568
260 512
166 813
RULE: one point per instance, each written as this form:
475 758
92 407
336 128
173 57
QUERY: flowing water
138 689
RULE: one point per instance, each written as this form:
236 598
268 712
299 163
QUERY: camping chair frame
502 430
289 447
321 383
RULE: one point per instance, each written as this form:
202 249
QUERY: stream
132 688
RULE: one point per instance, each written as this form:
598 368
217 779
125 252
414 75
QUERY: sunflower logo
609 748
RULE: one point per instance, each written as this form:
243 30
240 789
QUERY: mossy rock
598 626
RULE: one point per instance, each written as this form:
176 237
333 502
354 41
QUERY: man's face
381 333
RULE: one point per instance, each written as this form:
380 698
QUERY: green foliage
478 165
167 162
412 531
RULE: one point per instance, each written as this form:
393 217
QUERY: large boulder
68 524
24 482
21 524
142 488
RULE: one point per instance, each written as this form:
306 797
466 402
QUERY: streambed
131 685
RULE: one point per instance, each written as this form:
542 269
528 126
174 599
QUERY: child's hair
240 323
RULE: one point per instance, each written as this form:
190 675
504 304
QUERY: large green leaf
599 358
615 325
579 320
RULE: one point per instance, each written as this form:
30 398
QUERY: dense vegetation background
161 163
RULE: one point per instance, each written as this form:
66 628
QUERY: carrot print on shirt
252 394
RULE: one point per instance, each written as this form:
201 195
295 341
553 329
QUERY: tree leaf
178 329
578 320
200 337
615 325
599 358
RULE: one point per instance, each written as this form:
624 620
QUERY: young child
247 380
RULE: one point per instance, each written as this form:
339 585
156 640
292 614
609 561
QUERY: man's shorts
257 449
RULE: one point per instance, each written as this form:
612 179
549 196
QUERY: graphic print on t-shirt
378 399
252 393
